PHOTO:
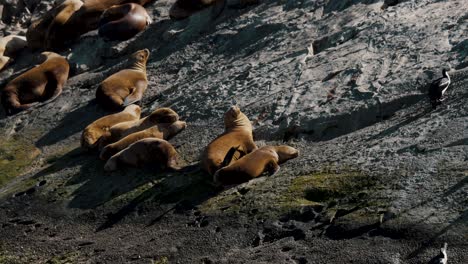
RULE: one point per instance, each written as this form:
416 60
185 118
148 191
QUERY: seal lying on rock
163 131
99 128
122 22
53 30
9 46
149 150
39 84
121 130
238 132
126 86
254 164
90 13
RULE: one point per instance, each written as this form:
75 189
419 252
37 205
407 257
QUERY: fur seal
87 17
69 20
9 46
148 150
438 89
163 131
254 164
121 130
53 29
42 83
122 22
237 132
99 128
126 86
184 8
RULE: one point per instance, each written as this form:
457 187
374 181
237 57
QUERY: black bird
438 88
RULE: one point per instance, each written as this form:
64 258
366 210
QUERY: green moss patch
15 155
327 188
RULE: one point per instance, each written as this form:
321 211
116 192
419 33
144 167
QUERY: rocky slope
381 177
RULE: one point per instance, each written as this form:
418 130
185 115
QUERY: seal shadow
179 191
72 123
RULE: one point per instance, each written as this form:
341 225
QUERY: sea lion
121 130
184 8
99 128
149 150
9 46
126 86
42 83
53 30
163 131
122 22
238 132
87 17
438 88
254 164
69 20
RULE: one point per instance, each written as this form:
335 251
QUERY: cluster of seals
69 20
122 22
162 131
42 83
126 86
254 164
238 132
121 130
125 139
93 133
146 151
9 47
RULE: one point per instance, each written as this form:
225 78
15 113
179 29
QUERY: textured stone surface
343 81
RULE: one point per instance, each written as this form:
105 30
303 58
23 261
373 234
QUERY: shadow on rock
72 123
180 191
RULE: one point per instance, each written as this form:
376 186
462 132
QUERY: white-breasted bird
438 89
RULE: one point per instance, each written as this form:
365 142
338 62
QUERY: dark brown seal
122 22
42 83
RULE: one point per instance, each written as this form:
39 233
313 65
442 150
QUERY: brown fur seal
163 131
99 128
149 150
184 8
39 84
53 30
126 86
69 20
121 130
254 164
87 18
9 46
122 22
238 132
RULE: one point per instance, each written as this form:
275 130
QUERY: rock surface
381 177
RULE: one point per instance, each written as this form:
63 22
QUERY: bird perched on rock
442 257
438 89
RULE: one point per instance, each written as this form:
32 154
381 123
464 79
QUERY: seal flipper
230 155
272 168
135 95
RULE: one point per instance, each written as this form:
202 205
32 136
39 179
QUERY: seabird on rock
438 89
442 257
